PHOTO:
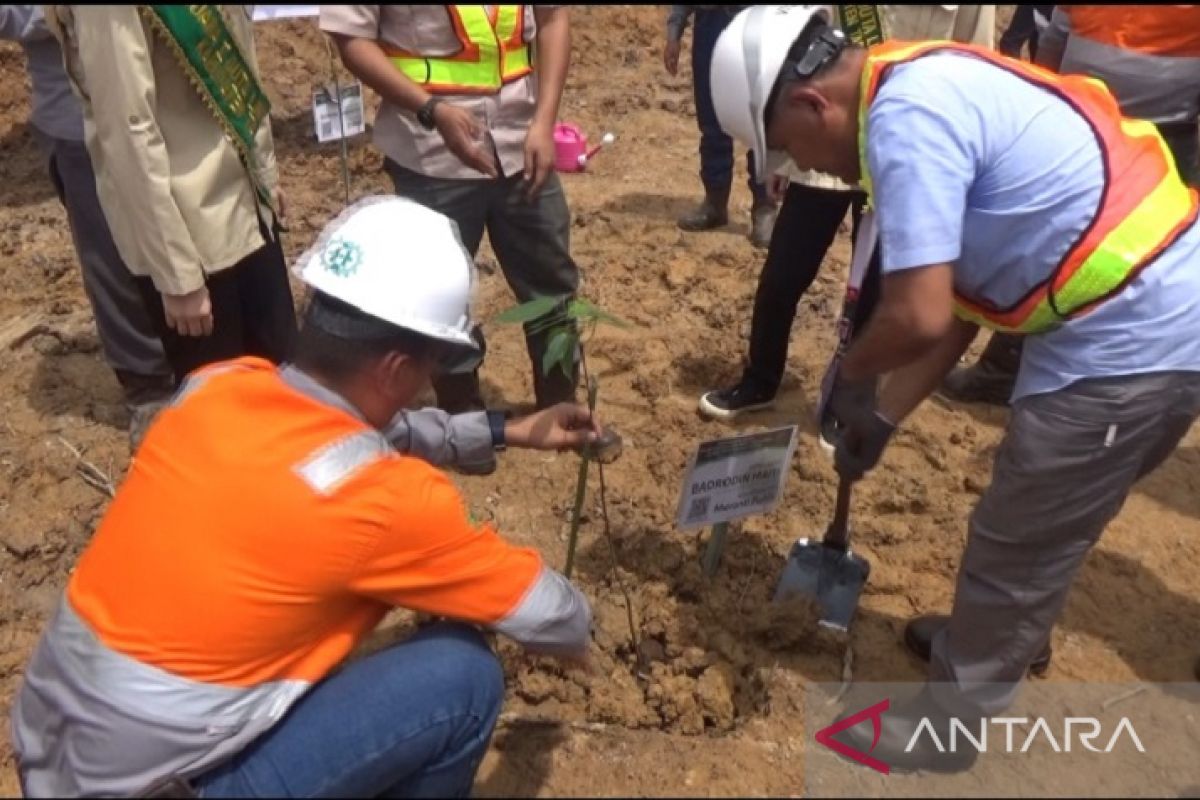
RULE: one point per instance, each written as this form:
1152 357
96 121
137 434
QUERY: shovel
826 570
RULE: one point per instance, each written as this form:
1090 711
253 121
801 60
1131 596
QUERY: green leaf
559 349
545 323
583 310
528 312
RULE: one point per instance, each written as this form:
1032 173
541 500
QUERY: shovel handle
838 533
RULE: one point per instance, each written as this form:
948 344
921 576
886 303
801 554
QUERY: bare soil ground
717 711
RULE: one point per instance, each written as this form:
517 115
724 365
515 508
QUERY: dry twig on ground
89 472
512 720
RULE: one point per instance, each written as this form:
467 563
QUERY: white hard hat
746 61
397 261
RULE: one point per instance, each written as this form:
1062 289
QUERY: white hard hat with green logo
397 261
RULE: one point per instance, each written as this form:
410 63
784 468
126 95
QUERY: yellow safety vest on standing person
1144 206
493 53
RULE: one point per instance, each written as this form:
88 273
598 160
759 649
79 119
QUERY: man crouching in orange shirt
272 517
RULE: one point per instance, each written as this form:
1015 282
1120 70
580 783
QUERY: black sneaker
729 403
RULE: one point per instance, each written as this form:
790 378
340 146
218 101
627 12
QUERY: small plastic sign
328 123
737 477
270 12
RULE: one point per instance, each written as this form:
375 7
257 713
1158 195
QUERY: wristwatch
425 113
496 420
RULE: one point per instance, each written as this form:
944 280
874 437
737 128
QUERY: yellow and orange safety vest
494 52
1144 206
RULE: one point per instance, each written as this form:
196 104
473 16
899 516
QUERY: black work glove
863 432
859 448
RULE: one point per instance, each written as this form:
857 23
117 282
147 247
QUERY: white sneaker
826 434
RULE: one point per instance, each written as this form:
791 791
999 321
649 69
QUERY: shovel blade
833 578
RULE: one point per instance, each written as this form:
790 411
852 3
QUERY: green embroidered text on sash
202 44
862 25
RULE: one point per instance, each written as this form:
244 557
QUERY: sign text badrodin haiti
736 477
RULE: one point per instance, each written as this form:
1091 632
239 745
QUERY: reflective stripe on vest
1143 207
493 53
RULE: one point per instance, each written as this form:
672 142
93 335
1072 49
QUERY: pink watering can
571 152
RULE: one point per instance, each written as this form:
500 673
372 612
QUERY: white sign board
728 479
266 13
326 120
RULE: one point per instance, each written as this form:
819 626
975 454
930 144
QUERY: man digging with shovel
1013 198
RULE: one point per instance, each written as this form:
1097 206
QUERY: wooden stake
716 546
337 89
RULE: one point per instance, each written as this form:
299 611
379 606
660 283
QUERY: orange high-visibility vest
1144 206
493 53
1160 30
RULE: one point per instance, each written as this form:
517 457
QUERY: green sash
202 45
862 25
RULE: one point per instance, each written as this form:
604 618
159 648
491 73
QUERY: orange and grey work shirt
263 530
428 31
1147 55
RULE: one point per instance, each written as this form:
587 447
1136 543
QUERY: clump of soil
698 667
793 622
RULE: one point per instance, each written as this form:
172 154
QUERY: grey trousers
531 240
1063 471
127 337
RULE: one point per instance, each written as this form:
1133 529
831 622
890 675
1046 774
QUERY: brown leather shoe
992 378
141 416
713 212
762 223
919 633
978 383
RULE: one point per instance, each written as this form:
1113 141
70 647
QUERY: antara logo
875 714
1085 730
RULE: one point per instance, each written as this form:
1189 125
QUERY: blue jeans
716 148
413 720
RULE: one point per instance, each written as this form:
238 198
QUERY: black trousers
804 230
1023 29
252 308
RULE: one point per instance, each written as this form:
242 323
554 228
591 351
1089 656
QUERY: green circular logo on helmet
341 257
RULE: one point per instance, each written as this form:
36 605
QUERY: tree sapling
570 324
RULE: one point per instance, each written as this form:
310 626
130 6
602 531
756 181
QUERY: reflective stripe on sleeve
333 464
553 618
